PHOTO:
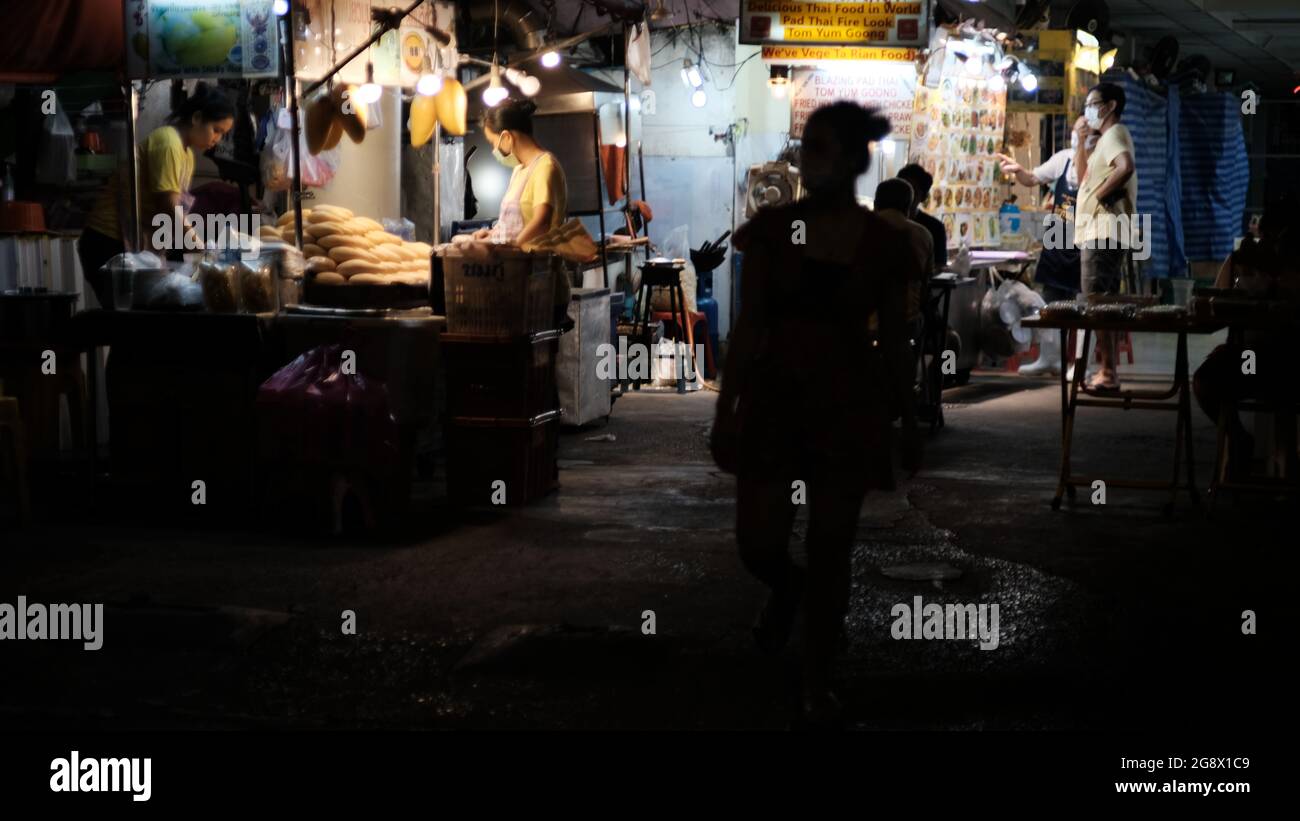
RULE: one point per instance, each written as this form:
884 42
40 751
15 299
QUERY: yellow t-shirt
1095 221
545 185
165 166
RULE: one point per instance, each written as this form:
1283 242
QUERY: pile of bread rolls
343 249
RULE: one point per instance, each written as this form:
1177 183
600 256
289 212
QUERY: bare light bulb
280 8
550 59
370 92
699 98
495 92
428 84
1028 81
530 86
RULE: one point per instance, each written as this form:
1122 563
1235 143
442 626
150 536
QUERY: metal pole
132 165
600 197
295 126
437 183
627 132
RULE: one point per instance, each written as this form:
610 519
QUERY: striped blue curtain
1215 174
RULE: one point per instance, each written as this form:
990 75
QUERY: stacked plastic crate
499 352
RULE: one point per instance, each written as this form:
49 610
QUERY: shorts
1100 270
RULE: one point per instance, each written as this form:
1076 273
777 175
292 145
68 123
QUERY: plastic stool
693 318
13 453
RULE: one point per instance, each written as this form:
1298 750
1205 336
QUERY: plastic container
500 377
493 291
501 461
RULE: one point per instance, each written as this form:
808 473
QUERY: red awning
43 39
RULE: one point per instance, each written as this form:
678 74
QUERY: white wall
368 180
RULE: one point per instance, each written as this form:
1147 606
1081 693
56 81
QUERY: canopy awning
40 41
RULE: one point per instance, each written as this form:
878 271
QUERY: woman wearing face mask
808 394
535 200
166 168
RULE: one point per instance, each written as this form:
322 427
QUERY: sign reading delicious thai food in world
889 87
835 22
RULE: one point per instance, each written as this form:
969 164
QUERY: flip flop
1098 384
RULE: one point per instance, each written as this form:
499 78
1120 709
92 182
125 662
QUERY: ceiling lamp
699 98
550 59
370 92
495 92
778 80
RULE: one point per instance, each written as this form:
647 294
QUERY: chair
665 275
13 453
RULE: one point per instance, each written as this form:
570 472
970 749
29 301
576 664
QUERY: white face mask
1092 114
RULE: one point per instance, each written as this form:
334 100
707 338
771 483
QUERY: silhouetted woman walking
811 386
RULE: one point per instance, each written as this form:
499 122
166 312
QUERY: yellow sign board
771 22
799 55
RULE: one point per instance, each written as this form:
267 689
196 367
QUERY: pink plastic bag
313 412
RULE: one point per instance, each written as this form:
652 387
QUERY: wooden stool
13 453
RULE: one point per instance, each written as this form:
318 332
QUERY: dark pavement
1110 616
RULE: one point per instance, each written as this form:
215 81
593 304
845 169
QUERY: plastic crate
518 452
500 377
498 291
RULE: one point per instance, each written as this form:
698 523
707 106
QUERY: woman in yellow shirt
166 169
536 199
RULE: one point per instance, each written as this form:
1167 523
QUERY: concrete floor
1110 616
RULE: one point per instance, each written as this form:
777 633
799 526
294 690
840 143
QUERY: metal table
1177 398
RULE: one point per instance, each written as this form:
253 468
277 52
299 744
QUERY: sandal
1102 384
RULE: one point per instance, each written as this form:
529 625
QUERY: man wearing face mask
1106 209
1057 270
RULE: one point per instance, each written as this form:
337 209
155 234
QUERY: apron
1059 267
511 220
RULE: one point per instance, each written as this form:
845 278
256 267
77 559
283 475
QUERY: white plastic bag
56 162
277 158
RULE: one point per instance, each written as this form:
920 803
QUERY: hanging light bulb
550 59
371 91
660 13
430 82
495 92
530 85
1027 80
280 8
699 98
778 79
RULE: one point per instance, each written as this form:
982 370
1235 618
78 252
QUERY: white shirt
1049 172
1096 221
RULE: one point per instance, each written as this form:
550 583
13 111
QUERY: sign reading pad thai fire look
772 22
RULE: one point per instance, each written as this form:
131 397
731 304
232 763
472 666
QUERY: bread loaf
331 241
330 278
311 249
355 266
319 264
367 279
348 254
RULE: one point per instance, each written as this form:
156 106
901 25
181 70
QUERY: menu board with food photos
956 130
